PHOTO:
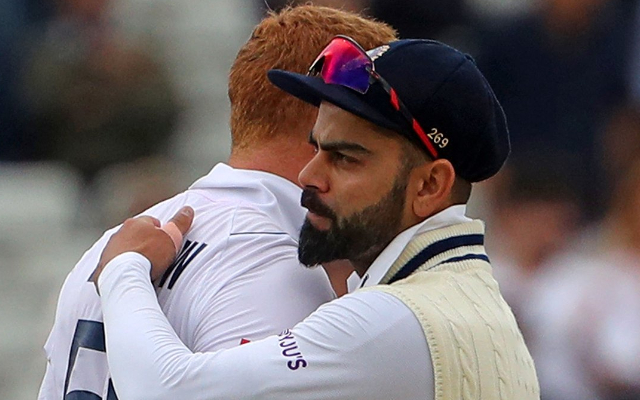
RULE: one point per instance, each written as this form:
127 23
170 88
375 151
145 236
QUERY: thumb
179 225
183 219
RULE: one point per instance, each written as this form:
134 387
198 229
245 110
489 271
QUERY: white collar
277 196
378 269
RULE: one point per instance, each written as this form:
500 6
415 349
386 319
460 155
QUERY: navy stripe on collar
466 257
435 249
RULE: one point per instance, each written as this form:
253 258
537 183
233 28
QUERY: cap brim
314 91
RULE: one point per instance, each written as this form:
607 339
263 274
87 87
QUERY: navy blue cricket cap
442 88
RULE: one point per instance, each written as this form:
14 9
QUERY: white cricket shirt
348 349
237 277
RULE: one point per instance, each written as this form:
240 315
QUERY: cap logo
376 53
438 138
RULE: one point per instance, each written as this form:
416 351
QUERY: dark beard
359 238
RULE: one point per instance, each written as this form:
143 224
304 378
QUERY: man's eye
343 158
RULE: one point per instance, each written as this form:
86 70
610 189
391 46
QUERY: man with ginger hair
237 278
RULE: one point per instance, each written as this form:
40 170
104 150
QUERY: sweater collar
453 244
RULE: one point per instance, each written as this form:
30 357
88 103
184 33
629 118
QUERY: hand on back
145 235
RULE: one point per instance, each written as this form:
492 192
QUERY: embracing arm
349 348
340 351
146 358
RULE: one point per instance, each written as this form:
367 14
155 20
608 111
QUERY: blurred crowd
131 96
128 95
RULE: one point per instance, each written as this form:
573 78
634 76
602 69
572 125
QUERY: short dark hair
461 191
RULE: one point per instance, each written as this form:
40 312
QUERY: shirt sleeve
366 345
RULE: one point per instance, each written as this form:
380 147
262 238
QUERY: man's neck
280 157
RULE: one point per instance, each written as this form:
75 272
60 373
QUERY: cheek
354 193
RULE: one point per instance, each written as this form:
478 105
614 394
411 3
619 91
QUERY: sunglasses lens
343 63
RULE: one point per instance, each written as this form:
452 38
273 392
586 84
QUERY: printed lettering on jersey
295 359
189 251
87 366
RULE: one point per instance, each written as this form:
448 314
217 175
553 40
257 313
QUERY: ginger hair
290 40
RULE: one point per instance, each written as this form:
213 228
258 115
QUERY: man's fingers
150 220
179 225
183 219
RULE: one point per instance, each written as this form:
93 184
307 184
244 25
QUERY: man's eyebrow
340 145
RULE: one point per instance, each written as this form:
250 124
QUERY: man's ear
432 182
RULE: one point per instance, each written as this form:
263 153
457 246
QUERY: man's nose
314 174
